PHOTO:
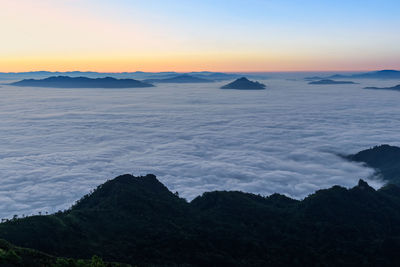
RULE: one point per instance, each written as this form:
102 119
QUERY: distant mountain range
138 75
179 79
328 81
219 76
397 88
81 82
382 74
109 82
90 74
244 84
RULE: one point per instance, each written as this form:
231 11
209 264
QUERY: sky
194 35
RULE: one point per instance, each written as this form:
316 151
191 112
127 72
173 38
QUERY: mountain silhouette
137 220
81 82
381 74
179 79
328 81
397 87
138 75
244 84
214 76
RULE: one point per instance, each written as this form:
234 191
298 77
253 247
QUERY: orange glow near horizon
228 62
176 63
89 35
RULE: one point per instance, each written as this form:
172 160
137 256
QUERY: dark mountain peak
363 188
129 180
127 191
244 84
281 198
147 182
377 153
56 78
364 185
386 148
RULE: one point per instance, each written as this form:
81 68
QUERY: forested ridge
137 220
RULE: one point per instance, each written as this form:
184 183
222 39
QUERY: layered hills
138 75
380 74
179 79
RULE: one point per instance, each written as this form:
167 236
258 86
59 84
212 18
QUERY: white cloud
56 144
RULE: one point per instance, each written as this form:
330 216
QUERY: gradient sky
193 35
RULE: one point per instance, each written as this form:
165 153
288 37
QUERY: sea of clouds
58 144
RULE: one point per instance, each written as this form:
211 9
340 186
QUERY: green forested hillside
138 220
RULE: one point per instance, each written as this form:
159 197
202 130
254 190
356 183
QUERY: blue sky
221 35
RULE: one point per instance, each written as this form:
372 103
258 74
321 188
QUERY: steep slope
384 158
244 84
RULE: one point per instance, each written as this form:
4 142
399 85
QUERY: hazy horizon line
190 71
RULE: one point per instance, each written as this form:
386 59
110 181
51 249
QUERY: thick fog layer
58 144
